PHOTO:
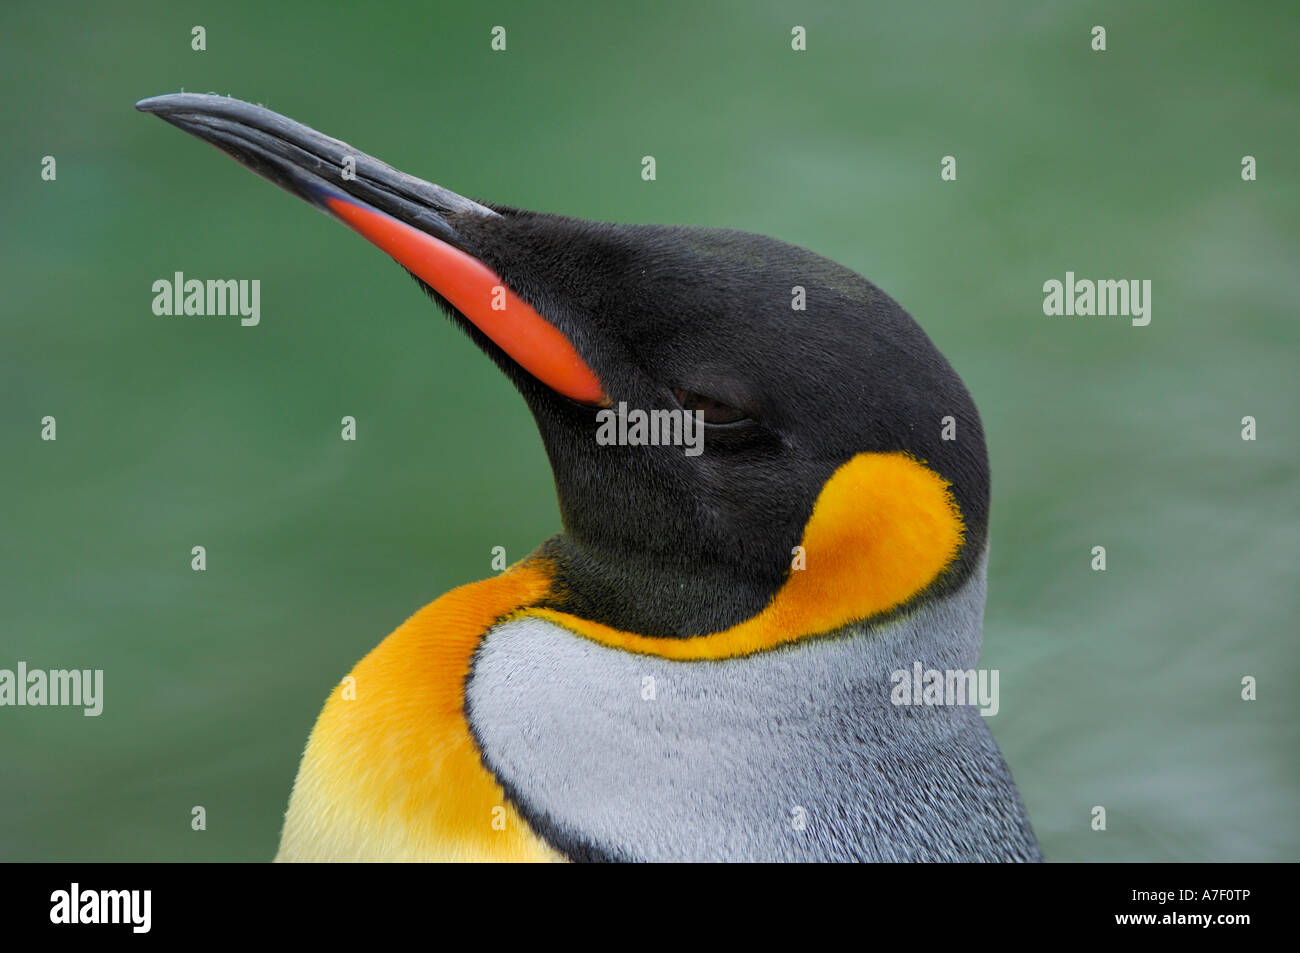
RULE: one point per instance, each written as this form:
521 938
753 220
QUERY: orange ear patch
884 527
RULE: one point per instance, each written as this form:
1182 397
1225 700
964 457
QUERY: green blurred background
1118 688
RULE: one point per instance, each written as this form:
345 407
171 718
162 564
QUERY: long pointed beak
410 219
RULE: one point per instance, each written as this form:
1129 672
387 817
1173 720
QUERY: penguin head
794 367
795 364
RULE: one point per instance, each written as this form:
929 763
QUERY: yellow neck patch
882 530
392 773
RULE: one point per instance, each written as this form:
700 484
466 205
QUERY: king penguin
712 661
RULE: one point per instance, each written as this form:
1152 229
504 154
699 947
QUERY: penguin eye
714 411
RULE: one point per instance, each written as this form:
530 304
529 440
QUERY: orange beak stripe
532 342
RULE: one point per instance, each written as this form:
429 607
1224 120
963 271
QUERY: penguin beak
410 219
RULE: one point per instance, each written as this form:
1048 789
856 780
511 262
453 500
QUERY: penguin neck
814 723
651 596
884 536
943 632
